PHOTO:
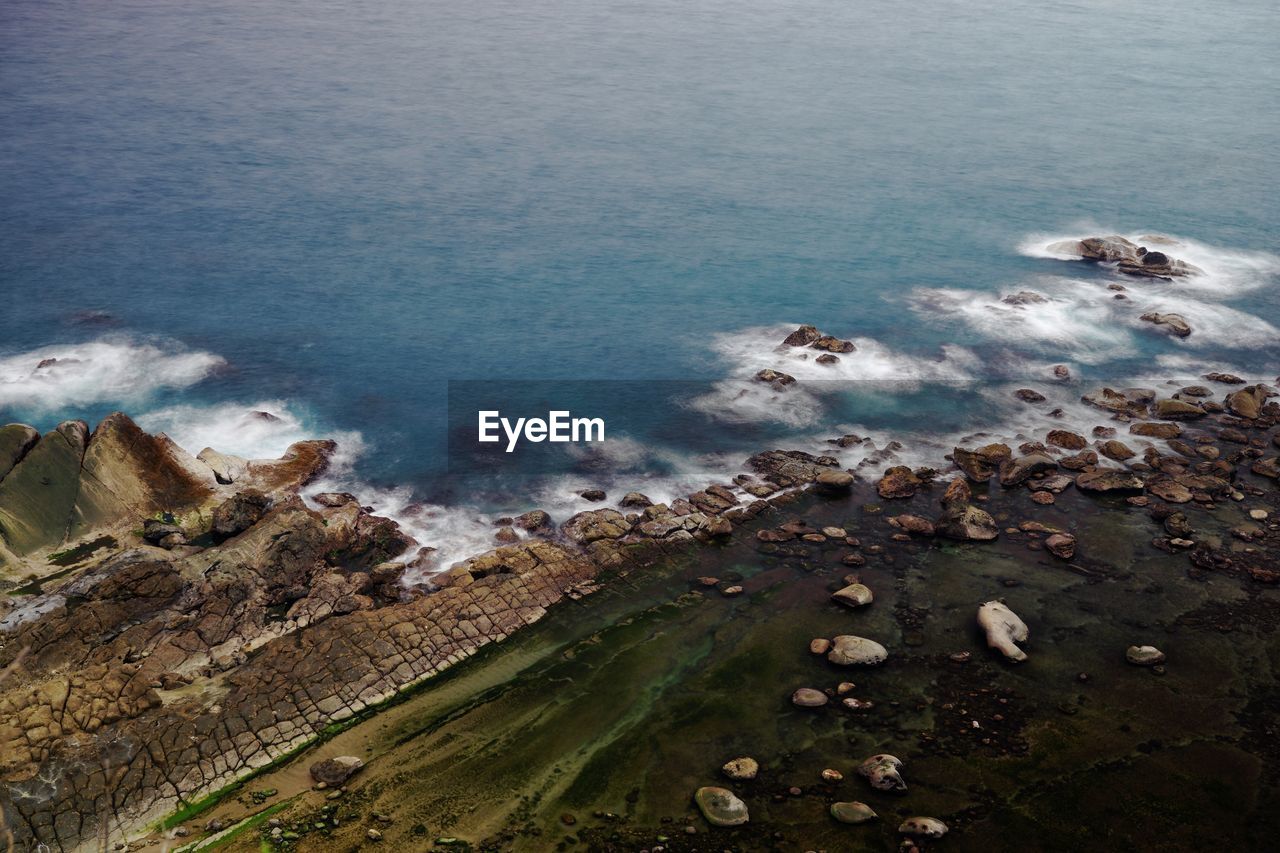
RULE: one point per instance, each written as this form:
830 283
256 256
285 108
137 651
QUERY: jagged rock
334 499
1144 656
787 468
981 465
16 440
38 495
1003 629
1024 297
883 771
898 482
239 512
854 595
852 812
593 495
827 358
960 520
534 521
847 650
1080 461
1061 545
1177 410
1128 256
594 525
1170 491
925 827
1174 323
1027 395
741 769
334 772
721 807
1014 472
775 378
1109 480
831 344
802 337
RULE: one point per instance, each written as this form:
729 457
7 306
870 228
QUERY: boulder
594 525
1066 440
1177 410
802 337
847 650
854 595
924 827
1117 450
1247 402
883 772
1015 472
1023 298
534 521
721 807
1117 402
981 465
1061 545
1027 395
741 769
1109 480
334 772
592 495
1173 323
635 499
775 378
1144 656
239 512
913 524
832 344
226 468
1149 429
808 697
898 482
1003 629
834 481
967 523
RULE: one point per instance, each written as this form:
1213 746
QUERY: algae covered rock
721 807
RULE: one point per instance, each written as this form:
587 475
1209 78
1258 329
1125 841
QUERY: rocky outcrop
1128 256
981 465
1175 324
16 440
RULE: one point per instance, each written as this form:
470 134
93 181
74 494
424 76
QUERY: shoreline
533 574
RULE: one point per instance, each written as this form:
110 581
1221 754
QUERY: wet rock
852 812
819 645
593 495
883 771
741 769
776 378
787 468
534 521
831 344
1024 297
1269 467
1061 545
336 771
834 481
913 524
981 465
924 827
1066 440
1224 378
721 807
808 697
333 500
854 595
827 358
1247 402
506 535
239 512
1109 480
1003 629
635 499
1173 323
802 337
848 650
1117 402
1144 656
1028 395
898 482
1178 410
1156 430
1014 472
832 775
595 525
1117 450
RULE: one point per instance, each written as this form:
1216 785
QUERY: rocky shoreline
173 624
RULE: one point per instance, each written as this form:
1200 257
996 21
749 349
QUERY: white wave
108 370
1226 270
1077 319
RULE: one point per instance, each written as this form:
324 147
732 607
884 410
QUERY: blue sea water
331 209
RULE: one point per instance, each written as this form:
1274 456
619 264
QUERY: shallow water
615 708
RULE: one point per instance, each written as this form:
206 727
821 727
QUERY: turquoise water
342 206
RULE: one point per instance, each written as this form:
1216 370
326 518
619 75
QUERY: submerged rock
882 771
1003 629
808 697
848 650
721 807
852 812
776 378
1061 545
1109 480
335 771
741 769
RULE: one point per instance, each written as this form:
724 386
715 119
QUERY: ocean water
329 210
